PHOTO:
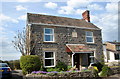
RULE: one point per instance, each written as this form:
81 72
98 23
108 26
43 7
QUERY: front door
77 60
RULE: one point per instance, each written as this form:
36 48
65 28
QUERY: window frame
89 36
118 56
117 47
49 34
50 59
92 57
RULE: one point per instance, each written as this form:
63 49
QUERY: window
117 56
49 59
117 47
89 37
48 35
91 57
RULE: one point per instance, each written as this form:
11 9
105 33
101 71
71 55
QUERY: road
17 74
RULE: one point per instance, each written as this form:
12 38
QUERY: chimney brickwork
86 15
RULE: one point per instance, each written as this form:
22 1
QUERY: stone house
111 51
76 42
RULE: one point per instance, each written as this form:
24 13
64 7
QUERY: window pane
117 47
49 62
89 39
48 37
88 33
51 37
117 56
48 54
48 31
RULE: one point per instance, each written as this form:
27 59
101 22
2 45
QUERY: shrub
94 70
61 66
52 69
69 67
30 63
16 64
99 66
105 71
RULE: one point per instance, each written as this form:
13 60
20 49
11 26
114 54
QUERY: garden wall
115 70
71 75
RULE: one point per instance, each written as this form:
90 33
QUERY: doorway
77 60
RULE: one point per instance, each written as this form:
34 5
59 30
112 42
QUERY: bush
94 70
69 67
16 64
105 71
53 69
61 66
99 66
30 63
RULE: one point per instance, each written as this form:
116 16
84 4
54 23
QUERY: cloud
66 10
20 8
5 18
94 7
7 50
79 11
112 7
74 7
108 22
77 3
51 5
23 17
94 18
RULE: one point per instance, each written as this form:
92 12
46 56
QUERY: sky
13 18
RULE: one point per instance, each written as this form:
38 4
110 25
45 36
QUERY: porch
81 55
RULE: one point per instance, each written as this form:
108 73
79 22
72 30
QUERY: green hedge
16 64
62 66
30 63
105 71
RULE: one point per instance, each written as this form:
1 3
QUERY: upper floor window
117 47
48 35
89 37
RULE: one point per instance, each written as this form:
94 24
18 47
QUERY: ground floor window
49 59
91 57
117 56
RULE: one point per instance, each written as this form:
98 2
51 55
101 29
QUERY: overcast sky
13 18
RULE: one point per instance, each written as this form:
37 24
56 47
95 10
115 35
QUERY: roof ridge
54 16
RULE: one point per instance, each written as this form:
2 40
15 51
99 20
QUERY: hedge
30 63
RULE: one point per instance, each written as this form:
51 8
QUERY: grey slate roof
48 19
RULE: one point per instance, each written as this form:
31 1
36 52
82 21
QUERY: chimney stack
86 15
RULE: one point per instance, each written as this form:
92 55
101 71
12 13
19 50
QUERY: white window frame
89 36
92 57
49 34
50 58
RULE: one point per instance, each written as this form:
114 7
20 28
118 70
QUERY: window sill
48 66
91 43
49 42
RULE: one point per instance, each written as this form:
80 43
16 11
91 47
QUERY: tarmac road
17 74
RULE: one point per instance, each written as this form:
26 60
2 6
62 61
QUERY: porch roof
78 48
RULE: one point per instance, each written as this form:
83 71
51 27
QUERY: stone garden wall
115 70
72 75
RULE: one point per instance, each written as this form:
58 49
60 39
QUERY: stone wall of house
63 36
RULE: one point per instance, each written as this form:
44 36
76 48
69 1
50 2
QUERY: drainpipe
73 59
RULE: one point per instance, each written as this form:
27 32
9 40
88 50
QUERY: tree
25 41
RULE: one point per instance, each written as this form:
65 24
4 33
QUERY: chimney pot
86 15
